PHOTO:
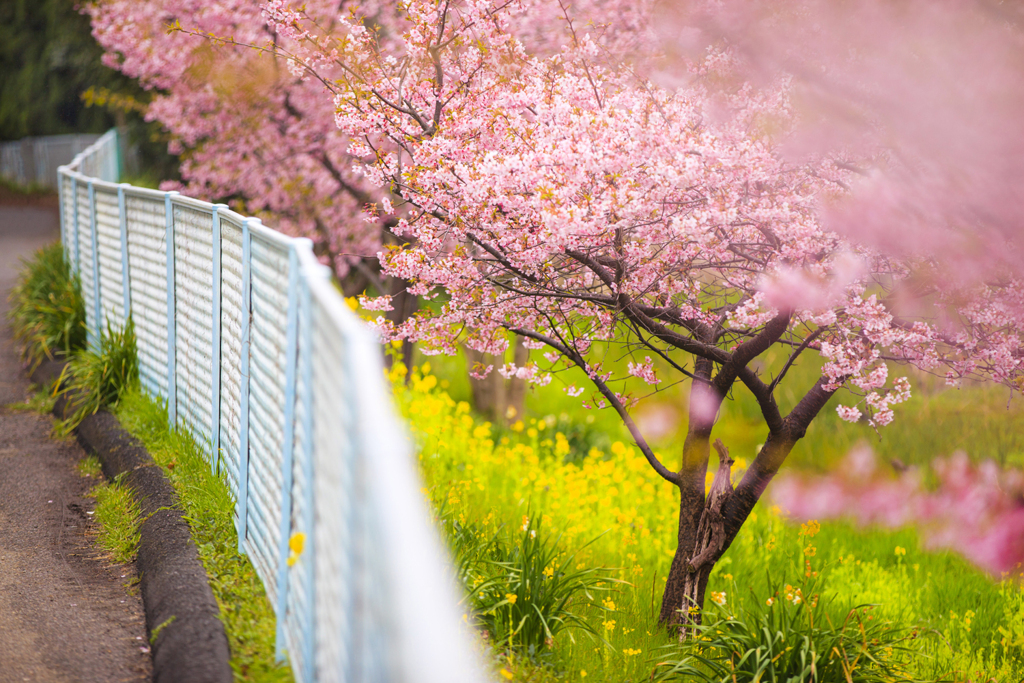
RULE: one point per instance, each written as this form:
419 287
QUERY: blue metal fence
241 332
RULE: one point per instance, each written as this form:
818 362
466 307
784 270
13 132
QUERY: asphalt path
67 613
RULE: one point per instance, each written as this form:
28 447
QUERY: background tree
570 201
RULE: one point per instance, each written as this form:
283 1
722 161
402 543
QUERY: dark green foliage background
48 58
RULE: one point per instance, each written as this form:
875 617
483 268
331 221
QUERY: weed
48 311
160 627
118 515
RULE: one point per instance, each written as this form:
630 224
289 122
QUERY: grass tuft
48 311
118 515
98 380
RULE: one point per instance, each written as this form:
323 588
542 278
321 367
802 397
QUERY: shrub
48 312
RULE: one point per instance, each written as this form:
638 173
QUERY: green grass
117 512
962 624
244 608
47 311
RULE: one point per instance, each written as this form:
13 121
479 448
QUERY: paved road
65 614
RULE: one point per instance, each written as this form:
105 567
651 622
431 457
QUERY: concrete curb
191 646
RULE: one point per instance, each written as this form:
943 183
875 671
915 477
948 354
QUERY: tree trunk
709 538
403 306
696 452
494 396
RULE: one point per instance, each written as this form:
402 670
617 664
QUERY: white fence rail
35 160
240 330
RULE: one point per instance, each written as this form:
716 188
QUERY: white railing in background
34 161
242 333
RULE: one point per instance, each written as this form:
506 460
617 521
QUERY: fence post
243 440
63 223
76 263
215 340
125 279
309 558
291 348
94 335
172 394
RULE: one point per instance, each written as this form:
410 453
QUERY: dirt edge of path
191 645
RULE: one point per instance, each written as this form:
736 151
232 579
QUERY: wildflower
810 529
900 551
770 601
629 652
507 674
609 625
718 597
549 572
526 522
727 577
609 604
511 597
583 673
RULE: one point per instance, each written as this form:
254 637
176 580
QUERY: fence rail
242 333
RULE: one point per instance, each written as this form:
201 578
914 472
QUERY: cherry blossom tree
253 134
538 182
571 201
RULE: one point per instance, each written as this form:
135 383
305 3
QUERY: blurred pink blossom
976 510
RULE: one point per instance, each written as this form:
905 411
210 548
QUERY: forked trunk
683 601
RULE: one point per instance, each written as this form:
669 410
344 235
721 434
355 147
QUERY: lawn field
573 471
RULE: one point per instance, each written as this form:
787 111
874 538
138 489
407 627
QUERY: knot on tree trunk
711 529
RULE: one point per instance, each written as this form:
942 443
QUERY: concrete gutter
191 645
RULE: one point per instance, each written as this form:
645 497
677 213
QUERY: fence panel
193 291
147 257
240 330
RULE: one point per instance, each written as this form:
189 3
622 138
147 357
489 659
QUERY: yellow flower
297 542
629 652
507 674
583 673
810 529
511 597
718 598
900 551
549 572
